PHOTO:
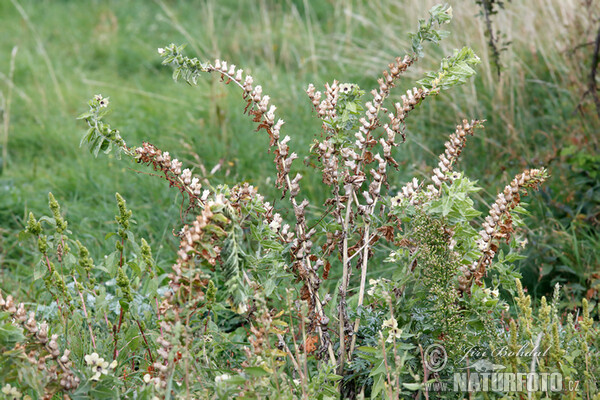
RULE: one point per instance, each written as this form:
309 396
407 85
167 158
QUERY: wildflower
449 12
373 283
276 223
11 392
186 176
222 378
161 51
102 101
176 166
395 332
98 365
205 194
390 323
346 88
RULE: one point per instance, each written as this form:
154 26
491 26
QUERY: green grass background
70 50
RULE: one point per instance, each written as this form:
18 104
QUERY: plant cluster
341 300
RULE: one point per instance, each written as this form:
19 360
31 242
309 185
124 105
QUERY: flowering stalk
498 225
442 173
258 106
409 101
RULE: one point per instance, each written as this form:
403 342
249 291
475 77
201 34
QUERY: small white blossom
11 392
205 194
222 378
390 323
97 364
186 175
92 359
276 223
161 51
373 283
395 332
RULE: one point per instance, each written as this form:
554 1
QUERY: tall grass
109 48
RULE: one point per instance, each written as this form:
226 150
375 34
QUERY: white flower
395 332
161 51
113 364
205 194
11 392
147 378
157 383
222 378
390 323
92 359
373 283
98 365
176 166
276 223
186 176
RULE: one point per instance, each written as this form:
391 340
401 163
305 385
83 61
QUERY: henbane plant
255 306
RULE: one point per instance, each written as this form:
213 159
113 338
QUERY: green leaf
111 262
39 270
84 115
10 335
368 349
256 372
124 304
378 386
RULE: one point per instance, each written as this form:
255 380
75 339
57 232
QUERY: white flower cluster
454 146
156 381
101 101
326 107
67 379
98 365
222 378
11 392
394 332
148 153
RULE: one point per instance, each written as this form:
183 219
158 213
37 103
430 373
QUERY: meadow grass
68 51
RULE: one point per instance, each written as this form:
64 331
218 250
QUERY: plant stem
116 334
85 313
145 340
